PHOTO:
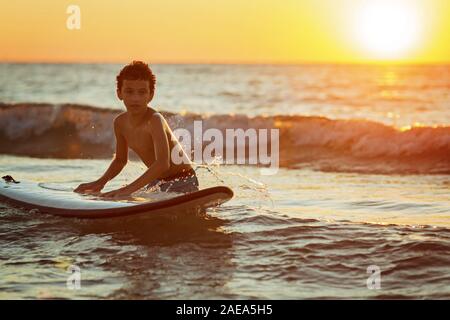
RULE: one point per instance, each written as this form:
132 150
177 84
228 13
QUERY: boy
146 132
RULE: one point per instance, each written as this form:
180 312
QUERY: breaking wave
354 145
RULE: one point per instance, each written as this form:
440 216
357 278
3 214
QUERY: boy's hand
122 192
94 186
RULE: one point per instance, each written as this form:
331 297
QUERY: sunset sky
228 31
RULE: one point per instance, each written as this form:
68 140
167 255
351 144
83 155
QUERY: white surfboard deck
66 203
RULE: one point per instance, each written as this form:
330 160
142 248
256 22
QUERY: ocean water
393 95
363 181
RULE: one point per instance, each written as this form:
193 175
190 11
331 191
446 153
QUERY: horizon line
218 62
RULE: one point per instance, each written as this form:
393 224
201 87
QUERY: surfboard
64 202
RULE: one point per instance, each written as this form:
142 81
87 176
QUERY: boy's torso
139 139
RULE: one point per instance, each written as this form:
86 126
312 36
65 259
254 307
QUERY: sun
387 29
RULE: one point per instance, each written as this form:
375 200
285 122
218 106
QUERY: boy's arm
116 166
120 158
159 166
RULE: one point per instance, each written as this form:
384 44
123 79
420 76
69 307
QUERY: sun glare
387 29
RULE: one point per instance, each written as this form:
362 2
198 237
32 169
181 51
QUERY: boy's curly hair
136 70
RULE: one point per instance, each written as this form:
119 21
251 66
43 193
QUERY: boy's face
135 94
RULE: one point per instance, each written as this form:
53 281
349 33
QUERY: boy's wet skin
139 139
143 130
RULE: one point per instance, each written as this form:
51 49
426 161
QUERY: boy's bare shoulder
119 120
157 118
